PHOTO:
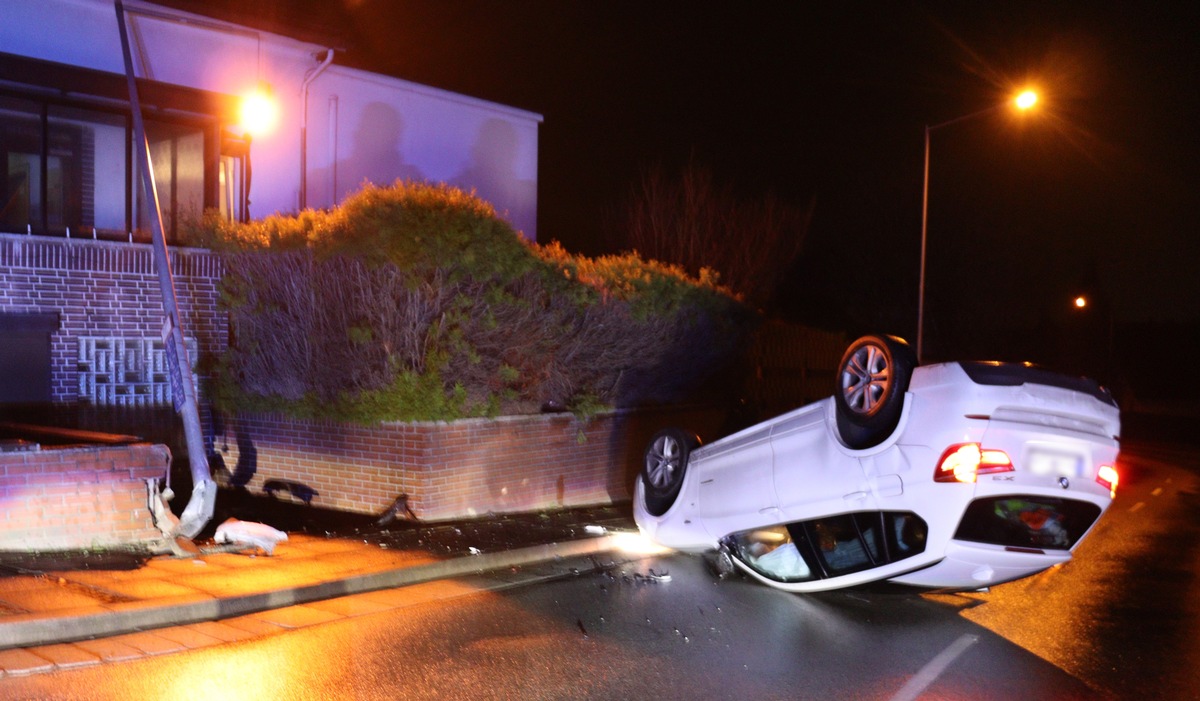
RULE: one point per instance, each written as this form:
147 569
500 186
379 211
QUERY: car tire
871 381
663 468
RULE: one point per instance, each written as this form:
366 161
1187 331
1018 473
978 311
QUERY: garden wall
78 497
453 469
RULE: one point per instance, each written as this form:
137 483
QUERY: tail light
965 461
1107 477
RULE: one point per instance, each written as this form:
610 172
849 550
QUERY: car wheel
665 464
872 379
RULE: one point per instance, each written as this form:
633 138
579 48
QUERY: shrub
417 302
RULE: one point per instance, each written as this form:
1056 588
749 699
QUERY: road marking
934 668
1156 492
1137 507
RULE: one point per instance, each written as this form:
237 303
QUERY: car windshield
1027 522
830 546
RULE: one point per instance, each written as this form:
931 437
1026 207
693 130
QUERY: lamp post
1024 101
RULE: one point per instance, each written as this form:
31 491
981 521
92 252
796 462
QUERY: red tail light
1107 476
963 462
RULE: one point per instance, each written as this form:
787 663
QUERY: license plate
1046 462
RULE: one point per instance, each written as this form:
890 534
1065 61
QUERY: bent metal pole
200 507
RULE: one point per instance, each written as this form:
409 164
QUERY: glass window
1045 523
847 544
85 171
831 546
177 156
772 553
67 164
20 166
232 178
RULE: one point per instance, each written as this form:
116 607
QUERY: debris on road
249 534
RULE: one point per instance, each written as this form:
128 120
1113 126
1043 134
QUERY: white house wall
361 126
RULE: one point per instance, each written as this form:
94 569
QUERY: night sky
1095 192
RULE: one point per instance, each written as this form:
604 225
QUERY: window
177 156
1027 522
68 158
20 164
233 178
830 546
772 553
85 168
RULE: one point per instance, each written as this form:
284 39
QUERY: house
80 314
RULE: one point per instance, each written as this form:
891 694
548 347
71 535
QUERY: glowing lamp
259 112
1107 477
964 462
1080 302
1026 100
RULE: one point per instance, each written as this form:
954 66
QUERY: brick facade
103 288
451 470
78 497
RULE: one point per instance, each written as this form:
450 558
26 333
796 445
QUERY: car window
772 553
845 545
830 546
1045 523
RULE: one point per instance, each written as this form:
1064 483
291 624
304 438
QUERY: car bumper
977 565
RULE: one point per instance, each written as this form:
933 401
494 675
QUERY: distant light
259 113
1026 100
1081 302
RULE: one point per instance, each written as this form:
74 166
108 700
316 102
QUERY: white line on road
1137 507
931 671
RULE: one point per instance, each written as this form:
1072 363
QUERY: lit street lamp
1024 101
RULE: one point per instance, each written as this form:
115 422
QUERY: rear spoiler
1015 374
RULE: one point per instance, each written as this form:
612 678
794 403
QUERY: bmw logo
1064 482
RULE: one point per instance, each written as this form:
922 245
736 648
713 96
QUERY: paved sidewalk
59 620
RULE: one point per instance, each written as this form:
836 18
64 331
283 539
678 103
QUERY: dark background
1092 193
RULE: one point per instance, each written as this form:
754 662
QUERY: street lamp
259 111
1023 101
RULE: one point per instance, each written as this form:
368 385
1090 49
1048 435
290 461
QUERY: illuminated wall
79 497
449 470
360 126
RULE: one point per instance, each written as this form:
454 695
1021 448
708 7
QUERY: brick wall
105 288
78 497
456 469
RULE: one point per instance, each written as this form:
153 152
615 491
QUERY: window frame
807 537
49 86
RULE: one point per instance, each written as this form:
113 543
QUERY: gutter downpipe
200 507
309 77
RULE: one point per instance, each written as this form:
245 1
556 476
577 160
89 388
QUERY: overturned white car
956 476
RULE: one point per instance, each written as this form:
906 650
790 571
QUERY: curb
140 616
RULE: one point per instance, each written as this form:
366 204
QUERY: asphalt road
1121 621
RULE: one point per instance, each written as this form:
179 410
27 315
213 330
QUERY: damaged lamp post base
178 531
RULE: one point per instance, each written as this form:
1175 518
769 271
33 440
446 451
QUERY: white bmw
953 476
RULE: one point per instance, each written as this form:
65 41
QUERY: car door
736 485
814 474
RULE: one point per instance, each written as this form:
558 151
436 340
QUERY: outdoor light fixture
1024 101
259 111
1081 302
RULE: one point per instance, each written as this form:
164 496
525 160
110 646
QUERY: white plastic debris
474 550
595 530
250 534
